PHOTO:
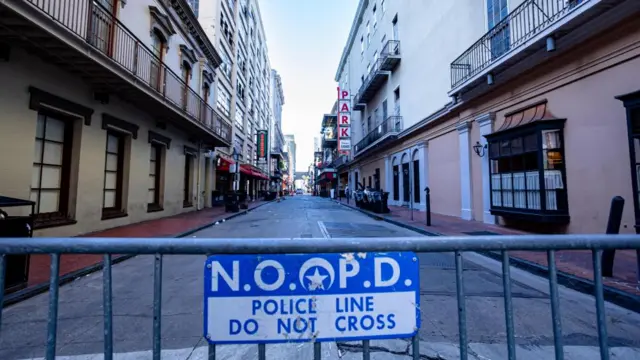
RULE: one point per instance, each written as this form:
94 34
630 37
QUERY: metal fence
199 246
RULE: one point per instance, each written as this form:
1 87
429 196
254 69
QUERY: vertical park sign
344 121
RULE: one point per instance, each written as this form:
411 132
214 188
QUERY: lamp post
236 175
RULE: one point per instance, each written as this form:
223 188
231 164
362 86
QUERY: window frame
63 215
189 162
156 205
117 210
543 215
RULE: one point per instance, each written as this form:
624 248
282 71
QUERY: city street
80 332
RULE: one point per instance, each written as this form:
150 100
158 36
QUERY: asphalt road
23 332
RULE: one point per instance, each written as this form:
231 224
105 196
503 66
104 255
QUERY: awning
326 176
252 171
224 162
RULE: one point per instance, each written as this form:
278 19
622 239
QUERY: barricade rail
200 246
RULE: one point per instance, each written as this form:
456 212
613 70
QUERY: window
186 76
497 10
368 33
155 177
159 46
188 177
375 18
112 204
362 46
382 7
528 171
223 102
239 117
249 129
52 170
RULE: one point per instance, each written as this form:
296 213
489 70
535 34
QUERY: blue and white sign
310 297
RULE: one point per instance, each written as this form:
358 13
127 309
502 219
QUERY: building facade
236 28
108 112
510 139
291 150
277 151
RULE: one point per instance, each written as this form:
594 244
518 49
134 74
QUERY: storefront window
528 170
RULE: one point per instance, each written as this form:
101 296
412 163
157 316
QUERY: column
424 168
208 172
485 122
388 177
466 212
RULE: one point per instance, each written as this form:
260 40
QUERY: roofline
357 20
194 28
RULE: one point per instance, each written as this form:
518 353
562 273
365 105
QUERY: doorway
406 183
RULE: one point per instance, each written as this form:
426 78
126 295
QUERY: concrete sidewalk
574 263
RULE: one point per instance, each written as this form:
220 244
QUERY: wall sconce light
551 44
479 149
490 79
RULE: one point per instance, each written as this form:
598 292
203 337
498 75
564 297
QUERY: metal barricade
200 246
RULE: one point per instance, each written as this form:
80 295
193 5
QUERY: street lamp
236 158
479 149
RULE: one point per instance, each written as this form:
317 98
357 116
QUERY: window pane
54 130
151 197
551 139
505 148
519 189
553 159
152 167
112 144
51 177
110 181
152 154
516 146
530 143
35 176
507 195
40 126
152 182
494 150
37 152
52 153
109 199
533 190
112 162
49 201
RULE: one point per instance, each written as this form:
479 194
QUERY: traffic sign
310 297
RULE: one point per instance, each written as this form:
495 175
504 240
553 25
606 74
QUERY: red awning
251 170
224 163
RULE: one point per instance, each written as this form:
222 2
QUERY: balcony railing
371 83
93 23
390 55
524 22
392 125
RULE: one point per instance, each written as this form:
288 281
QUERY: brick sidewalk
577 263
171 226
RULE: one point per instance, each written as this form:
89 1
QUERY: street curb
394 222
612 295
34 290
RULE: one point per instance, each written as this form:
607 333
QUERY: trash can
231 202
17 266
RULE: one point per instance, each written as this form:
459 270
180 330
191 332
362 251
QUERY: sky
305 39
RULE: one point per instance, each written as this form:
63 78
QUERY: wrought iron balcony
372 83
84 38
526 21
387 129
390 55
